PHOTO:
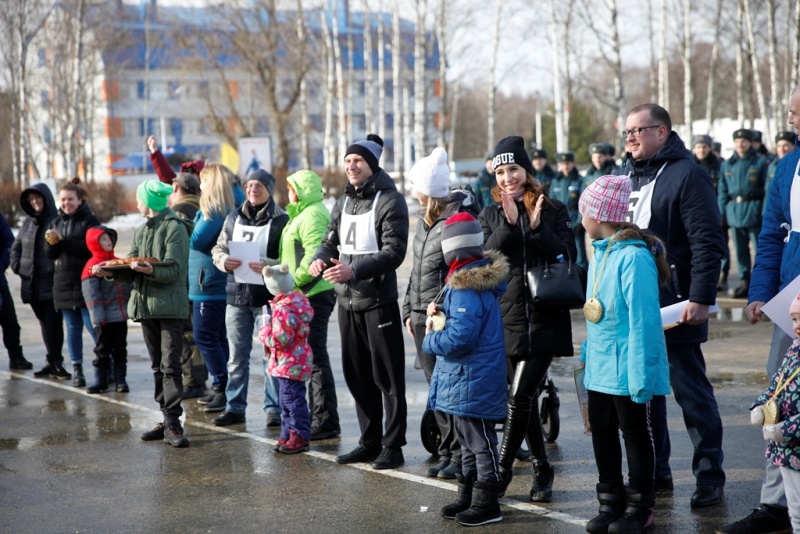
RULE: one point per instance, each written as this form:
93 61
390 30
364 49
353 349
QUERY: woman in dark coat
528 228
66 240
29 260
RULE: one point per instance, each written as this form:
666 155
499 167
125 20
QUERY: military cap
785 136
610 150
539 153
717 147
757 136
704 139
564 157
743 133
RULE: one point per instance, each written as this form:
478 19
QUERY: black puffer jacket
530 331
250 295
429 270
375 282
70 255
29 252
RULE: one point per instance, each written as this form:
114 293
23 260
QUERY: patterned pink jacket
286 336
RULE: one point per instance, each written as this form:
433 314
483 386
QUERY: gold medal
593 310
770 410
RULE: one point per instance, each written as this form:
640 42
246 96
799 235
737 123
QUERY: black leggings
523 410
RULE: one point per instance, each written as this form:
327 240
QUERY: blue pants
294 408
241 322
479 456
210 336
695 396
76 319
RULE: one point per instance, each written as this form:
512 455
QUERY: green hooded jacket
165 294
308 222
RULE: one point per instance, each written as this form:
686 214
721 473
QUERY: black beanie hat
369 149
512 150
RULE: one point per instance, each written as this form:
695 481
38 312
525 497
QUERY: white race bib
254 234
357 234
641 201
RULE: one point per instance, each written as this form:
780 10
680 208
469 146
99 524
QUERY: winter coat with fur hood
469 379
29 257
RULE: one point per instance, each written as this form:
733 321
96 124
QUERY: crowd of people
218 262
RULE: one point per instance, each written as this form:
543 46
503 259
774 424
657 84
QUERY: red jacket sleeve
163 170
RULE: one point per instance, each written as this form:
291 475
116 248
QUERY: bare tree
795 47
369 73
382 73
739 62
663 61
492 73
686 59
558 104
329 146
762 103
340 89
712 68
397 84
441 35
775 86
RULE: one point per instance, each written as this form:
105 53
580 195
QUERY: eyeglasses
636 132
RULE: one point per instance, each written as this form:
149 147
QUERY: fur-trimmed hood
487 274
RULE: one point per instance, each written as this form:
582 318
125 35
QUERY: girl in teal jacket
625 354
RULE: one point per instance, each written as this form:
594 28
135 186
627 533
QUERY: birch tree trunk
397 95
369 77
340 90
420 85
329 147
441 33
351 83
775 86
492 83
382 73
663 62
454 121
406 132
73 126
565 23
305 123
795 49
712 72
739 64
557 100
762 102
688 93
652 70
619 91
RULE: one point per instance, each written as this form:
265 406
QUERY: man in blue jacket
777 263
671 197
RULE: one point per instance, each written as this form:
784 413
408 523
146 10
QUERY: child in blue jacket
469 379
625 354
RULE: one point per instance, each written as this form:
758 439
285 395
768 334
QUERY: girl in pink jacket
285 334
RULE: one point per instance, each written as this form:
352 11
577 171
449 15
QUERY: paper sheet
777 309
671 315
246 251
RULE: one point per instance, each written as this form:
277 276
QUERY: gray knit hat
265 178
704 139
462 238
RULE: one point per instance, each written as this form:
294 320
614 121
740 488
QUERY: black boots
120 372
484 508
638 515
741 291
722 285
464 498
543 475
218 400
19 363
100 381
78 380
612 505
58 372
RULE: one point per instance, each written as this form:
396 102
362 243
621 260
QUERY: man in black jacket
365 244
8 313
673 197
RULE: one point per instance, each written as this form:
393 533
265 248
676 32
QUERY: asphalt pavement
73 462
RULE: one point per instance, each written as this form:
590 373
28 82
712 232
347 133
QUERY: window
145 127
42 55
389 121
174 90
388 88
141 90
47 135
176 127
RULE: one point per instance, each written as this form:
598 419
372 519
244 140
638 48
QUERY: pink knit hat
606 199
794 307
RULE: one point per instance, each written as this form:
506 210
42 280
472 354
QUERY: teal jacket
625 352
741 189
165 294
308 221
568 190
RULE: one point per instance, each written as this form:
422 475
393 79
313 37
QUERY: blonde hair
216 196
434 209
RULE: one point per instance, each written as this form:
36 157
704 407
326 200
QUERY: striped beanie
606 199
462 238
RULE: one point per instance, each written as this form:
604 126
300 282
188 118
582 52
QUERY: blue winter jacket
469 379
625 352
778 253
685 216
206 282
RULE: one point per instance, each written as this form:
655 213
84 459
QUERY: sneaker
318 433
154 434
273 419
20 364
58 372
206 399
762 520
706 495
44 371
361 453
217 404
173 434
122 388
229 418
193 392
450 472
434 471
389 458
294 444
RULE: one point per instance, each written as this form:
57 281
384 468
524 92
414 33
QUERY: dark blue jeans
695 395
294 408
210 336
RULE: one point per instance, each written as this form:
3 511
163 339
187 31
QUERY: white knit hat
431 175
